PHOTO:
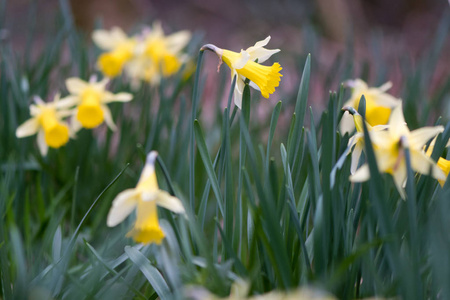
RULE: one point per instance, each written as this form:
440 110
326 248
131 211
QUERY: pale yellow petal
122 206
177 41
164 199
120 97
386 86
67 102
419 137
108 118
397 123
362 174
241 61
399 176
385 100
356 155
108 40
421 163
347 124
76 85
28 128
42 145
237 94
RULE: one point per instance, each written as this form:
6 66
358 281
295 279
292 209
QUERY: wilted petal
28 128
122 206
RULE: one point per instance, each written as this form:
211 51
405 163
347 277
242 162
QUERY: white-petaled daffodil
119 47
378 103
243 65
144 198
91 99
47 122
389 146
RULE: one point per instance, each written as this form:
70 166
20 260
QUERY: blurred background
378 37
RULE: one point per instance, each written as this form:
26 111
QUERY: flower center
90 113
147 229
111 63
375 114
56 133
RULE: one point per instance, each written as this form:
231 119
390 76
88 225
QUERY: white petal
253 85
397 125
262 54
356 155
76 85
122 206
347 124
238 89
67 102
240 62
120 97
260 44
383 99
28 128
362 174
421 163
108 118
421 136
399 178
177 41
42 144
75 125
164 199
108 40
386 86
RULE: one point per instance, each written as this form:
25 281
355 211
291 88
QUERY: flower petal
76 85
177 41
421 163
164 199
356 155
262 54
42 144
386 100
347 124
397 125
241 61
237 95
120 97
108 40
385 86
108 118
421 136
28 128
122 206
67 102
399 176
362 174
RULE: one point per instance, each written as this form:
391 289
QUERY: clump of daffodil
389 146
47 122
159 56
144 198
119 47
91 99
442 163
378 103
244 66
357 140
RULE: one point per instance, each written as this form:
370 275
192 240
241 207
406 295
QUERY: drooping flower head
47 122
389 146
144 198
244 65
378 103
119 47
357 140
90 99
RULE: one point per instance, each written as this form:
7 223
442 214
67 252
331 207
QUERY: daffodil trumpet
247 64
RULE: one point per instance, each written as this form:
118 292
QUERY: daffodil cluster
147 56
86 105
390 142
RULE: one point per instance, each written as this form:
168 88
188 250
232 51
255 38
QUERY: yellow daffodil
389 148
243 65
144 198
157 55
91 99
357 140
120 50
442 163
378 103
47 121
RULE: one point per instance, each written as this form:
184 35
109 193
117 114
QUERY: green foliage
277 216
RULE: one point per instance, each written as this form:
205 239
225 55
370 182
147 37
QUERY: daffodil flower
389 148
442 163
144 198
357 140
243 65
47 122
91 99
378 103
157 55
120 50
